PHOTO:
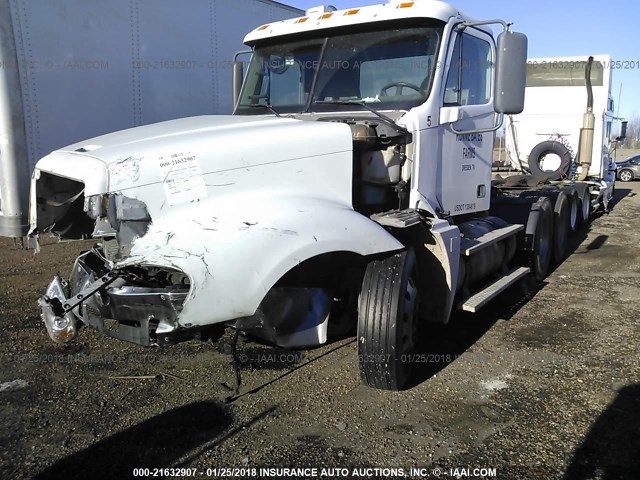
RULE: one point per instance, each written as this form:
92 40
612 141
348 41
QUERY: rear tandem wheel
561 227
540 256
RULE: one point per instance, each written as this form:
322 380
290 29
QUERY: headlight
96 205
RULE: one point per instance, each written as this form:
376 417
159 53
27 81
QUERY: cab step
469 246
397 218
480 298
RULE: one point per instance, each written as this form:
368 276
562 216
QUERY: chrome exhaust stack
586 132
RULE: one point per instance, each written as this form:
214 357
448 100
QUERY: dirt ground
537 387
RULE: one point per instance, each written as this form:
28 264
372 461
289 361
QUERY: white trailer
72 69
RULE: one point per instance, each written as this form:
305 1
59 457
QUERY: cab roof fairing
394 10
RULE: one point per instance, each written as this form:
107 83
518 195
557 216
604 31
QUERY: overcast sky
563 28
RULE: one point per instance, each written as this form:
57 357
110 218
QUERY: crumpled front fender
234 256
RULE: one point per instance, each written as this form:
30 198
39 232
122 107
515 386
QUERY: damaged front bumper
62 326
140 305
143 304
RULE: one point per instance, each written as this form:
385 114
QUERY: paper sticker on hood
182 177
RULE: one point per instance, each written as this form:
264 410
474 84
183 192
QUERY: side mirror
236 80
237 75
511 73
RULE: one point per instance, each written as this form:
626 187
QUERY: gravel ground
543 386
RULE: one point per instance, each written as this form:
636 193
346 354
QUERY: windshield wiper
264 105
389 121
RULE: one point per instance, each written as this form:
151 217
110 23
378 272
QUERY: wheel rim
625 176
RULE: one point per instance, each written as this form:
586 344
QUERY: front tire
387 321
626 175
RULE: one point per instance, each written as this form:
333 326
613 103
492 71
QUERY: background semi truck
544 138
550 156
71 69
352 187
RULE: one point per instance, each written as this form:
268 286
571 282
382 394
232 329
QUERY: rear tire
561 212
584 210
565 213
540 257
535 242
387 321
574 208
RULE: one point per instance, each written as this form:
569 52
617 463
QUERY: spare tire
542 150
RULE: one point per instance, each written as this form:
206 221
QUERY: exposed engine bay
381 166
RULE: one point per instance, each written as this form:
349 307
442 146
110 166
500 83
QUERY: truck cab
410 60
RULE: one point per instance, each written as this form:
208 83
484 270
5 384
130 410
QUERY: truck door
467 106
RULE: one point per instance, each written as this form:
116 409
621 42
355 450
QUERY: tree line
633 133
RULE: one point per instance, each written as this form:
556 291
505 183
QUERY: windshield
389 68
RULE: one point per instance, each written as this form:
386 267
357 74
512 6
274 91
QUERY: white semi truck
72 69
544 139
352 185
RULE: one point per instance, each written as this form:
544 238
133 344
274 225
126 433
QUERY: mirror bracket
463 25
496 126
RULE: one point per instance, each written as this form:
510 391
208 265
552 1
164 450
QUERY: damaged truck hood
173 163
126 158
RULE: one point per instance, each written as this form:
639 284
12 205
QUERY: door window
469 77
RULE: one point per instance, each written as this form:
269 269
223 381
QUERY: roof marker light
319 9
352 12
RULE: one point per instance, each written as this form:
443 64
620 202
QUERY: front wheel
626 175
387 321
